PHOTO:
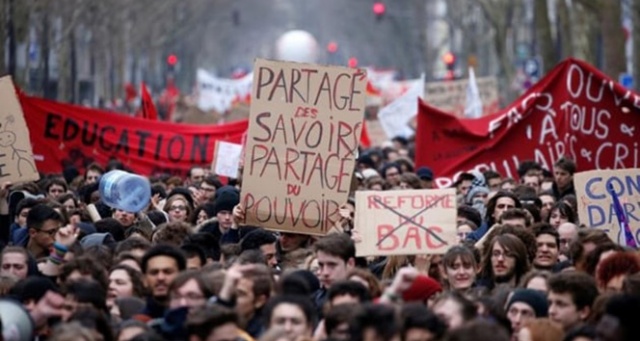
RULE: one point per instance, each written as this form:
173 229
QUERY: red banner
575 111
63 135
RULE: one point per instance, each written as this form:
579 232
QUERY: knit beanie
422 288
535 299
226 201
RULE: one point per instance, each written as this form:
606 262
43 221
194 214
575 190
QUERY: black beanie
226 201
183 192
535 299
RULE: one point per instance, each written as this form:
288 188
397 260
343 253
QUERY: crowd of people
187 268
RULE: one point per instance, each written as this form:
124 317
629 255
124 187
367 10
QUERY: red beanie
422 288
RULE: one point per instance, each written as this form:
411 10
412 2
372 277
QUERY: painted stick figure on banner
7 140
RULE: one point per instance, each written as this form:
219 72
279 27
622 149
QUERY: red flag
574 111
148 108
364 136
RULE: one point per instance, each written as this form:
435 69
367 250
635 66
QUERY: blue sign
626 80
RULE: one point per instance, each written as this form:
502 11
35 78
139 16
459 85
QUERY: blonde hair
543 329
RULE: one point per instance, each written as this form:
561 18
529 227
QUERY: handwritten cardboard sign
595 204
16 156
227 159
451 96
304 129
405 222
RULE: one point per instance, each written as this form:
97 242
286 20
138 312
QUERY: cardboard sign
451 96
405 222
305 124
16 157
227 159
595 204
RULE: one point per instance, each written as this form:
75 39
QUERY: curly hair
172 233
620 263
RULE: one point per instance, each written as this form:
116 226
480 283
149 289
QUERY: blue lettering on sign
597 216
626 186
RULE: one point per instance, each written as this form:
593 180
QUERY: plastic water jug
125 191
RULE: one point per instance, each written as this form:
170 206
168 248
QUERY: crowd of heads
186 267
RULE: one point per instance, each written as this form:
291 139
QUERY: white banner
396 116
219 93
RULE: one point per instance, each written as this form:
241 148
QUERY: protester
189 267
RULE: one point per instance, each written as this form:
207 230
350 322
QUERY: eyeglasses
51 233
498 254
179 208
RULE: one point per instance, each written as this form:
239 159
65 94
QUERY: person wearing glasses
43 222
504 261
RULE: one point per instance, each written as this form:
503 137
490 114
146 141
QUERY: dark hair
94 319
173 233
338 315
131 244
26 203
585 331
470 214
39 214
207 242
88 291
631 284
350 288
411 179
576 248
566 164
381 318
256 238
565 210
208 207
525 235
67 196
139 288
213 181
491 205
511 244
479 330
593 257
516 213
110 225
491 174
526 166
388 166
302 302
338 245
534 210
203 321
85 265
193 250
93 167
580 286
56 181
183 277
164 250
375 288
417 315
465 254
468 309
544 228
262 280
